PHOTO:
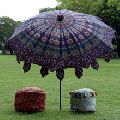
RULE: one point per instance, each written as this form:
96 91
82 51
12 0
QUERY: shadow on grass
60 112
48 114
82 113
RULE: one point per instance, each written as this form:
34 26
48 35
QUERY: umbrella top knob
60 17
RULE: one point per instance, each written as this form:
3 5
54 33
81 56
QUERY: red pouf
30 99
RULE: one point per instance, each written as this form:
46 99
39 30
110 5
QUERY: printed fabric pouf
30 99
83 100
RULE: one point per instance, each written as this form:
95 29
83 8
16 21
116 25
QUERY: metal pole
60 94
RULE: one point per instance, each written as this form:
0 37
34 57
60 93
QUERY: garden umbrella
61 39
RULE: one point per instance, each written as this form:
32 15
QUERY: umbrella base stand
60 94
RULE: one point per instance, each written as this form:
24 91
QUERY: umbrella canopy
62 39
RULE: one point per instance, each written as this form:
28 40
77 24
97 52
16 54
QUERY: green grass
105 81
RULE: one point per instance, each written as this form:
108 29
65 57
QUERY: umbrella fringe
78 72
95 65
60 74
18 60
44 71
107 56
26 67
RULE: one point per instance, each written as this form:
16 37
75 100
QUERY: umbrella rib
25 36
60 38
95 23
68 13
49 37
29 38
34 27
84 36
41 35
68 51
74 38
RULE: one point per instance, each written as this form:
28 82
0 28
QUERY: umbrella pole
60 94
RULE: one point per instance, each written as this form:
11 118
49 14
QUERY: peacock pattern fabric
62 39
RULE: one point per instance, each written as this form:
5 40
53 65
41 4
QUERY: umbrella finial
60 17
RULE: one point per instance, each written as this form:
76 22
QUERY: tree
7 26
110 14
1 38
2 34
83 6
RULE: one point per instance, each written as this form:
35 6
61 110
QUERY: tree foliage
83 6
110 14
7 26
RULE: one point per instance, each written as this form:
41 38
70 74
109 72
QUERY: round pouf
30 99
83 100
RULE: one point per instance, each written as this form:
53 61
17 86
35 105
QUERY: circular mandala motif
29 45
89 30
70 41
31 32
81 37
56 42
88 46
91 26
44 39
37 35
28 28
87 33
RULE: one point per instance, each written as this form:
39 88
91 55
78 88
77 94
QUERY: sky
21 10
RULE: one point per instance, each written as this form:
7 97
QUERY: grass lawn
105 81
